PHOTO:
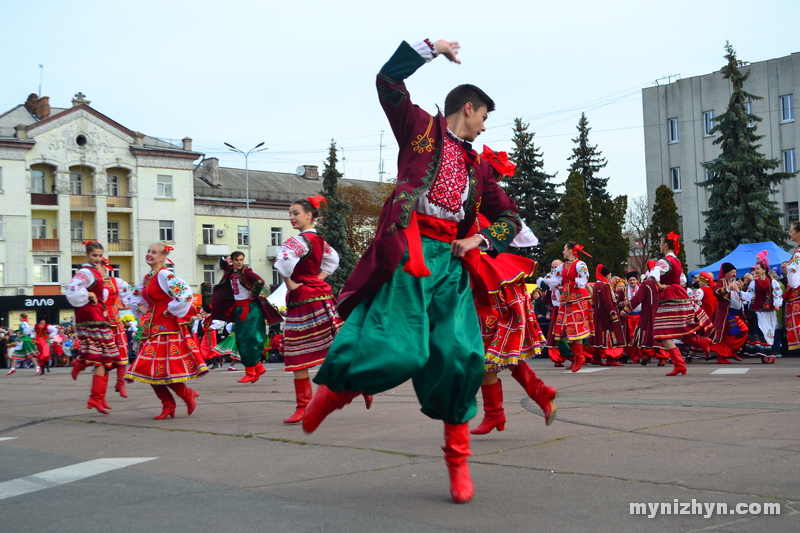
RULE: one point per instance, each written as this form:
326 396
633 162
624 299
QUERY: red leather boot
249 375
677 360
258 371
456 451
544 396
324 402
696 341
494 416
77 366
303 393
167 401
98 396
577 356
120 385
187 395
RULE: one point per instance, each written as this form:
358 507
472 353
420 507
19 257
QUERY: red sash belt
245 309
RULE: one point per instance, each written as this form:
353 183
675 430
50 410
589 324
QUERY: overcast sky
297 74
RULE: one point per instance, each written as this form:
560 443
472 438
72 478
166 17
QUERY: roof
266 186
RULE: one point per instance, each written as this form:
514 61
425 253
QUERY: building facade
678 118
70 175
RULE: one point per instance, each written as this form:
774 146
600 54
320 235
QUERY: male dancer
409 307
231 301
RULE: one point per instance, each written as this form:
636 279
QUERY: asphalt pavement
722 434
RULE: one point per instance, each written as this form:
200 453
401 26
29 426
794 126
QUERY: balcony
42 245
38 198
272 251
82 201
118 201
120 245
213 250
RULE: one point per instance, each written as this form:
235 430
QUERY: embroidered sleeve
661 268
78 288
793 271
135 299
583 274
425 49
777 294
27 329
125 291
217 324
330 260
178 290
750 294
289 255
553 278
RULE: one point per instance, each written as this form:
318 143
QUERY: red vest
93 313
307 272
154 322
673 277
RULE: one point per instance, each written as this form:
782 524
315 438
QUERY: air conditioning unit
21 291
220 233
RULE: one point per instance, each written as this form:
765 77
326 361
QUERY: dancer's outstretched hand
448 49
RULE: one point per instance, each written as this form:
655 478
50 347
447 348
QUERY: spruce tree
572 216
533 191
332 225
739 208
664 221
606 215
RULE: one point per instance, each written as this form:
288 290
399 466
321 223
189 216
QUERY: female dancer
764 295
511 333
574 320
167 354
228 347
42 333
87 293
675 317
730 331
25 348
792 294
118 291
607 338
312 321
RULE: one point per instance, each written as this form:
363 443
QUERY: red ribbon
578 249
675 238
317 200
87 243
245 309
416 259
499 161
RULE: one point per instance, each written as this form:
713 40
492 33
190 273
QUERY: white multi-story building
678 118
70 175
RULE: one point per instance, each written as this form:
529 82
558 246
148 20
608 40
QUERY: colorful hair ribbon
676 241
87 243
499 161
317 200
168 248
578 249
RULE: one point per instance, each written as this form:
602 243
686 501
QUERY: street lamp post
247 187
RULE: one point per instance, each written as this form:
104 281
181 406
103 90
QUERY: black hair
462 94
306 205
93 245
571 245
236 254
796 225
669 242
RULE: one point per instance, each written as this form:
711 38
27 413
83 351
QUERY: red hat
707 277
499 161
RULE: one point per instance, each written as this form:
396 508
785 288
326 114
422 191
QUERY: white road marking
730 371
7 438
586 370
68 474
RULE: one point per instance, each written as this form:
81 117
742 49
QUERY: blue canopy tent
744 257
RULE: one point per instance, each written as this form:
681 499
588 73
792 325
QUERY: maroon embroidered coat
607 327
223 303
420 136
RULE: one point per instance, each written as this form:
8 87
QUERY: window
675 178
787 108
792 213
277 236
710 175
76 230
166 230
242 236
74 269
112 185
113 232
673 130
169 266
75 183
790 160
37 181
114 273
210 274
45 269
208 233
165 186
708 122
748 107
276 276
39 228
